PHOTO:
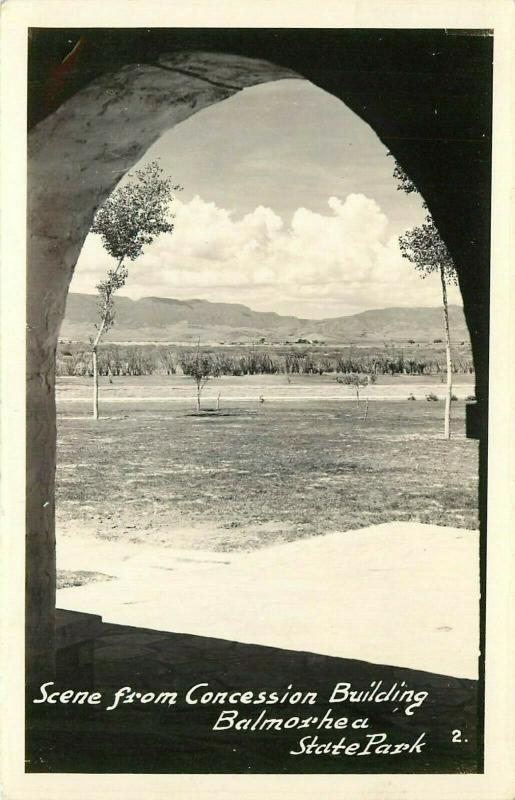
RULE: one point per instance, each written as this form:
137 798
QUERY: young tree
426 250
201 367
428 253
371 379
358 381
131 218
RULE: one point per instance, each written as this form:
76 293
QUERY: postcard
256 400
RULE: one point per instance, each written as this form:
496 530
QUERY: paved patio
180 738
402 594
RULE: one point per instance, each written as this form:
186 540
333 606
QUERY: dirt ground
260 472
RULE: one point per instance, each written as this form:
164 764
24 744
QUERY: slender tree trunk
448 393
218 402
95 384
198 398
365 415
94 350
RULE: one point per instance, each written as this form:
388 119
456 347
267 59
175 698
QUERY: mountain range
163 319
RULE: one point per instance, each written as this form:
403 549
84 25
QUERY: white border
498 782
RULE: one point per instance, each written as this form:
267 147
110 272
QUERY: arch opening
72 171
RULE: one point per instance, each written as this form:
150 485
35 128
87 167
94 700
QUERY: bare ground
262 473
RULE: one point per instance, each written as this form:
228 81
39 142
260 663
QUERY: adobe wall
76 157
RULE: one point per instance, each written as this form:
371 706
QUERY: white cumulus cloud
315 265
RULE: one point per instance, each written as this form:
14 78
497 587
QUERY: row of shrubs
432 397
123 360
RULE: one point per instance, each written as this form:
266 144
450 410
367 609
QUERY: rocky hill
162 319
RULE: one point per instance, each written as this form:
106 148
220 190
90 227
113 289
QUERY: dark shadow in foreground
179 738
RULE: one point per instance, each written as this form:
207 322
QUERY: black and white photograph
258 362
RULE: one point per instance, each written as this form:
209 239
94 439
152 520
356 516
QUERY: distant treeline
135 360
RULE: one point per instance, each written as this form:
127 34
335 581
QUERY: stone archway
77 155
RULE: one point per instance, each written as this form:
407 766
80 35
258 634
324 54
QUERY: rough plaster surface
76 157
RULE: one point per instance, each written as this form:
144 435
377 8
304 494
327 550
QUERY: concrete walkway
403 594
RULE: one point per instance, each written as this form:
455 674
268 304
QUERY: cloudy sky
288 205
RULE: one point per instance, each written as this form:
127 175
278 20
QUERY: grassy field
260 472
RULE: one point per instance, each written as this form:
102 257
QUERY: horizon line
277 313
